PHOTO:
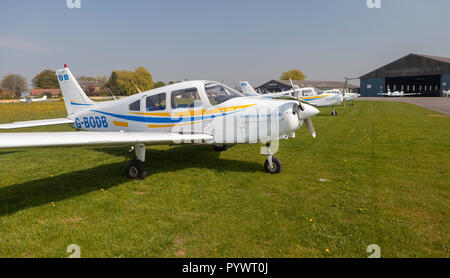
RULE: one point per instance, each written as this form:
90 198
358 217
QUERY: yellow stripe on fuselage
314 97
120 124
193 112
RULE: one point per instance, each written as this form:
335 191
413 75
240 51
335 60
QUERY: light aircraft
346 96
446 93
190 112
397 94
318 98
308 95
44 98
247 90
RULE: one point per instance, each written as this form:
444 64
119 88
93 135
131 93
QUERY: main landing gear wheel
275 168
333 113
220 148
136 170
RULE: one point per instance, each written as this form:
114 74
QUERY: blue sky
219 40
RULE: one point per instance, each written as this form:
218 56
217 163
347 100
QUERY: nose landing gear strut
272 164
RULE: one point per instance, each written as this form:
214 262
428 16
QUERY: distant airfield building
273 86
414 73
91 88
40 92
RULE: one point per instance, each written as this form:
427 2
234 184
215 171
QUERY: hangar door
429 86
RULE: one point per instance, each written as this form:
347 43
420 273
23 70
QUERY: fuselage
33 99
346 96
201 106
317 98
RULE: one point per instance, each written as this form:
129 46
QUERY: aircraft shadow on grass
8 152
43 191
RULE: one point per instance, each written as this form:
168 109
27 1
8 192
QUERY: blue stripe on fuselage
74 103
163 120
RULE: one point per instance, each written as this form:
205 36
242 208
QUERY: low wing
411 94
36 123
286 97
73 139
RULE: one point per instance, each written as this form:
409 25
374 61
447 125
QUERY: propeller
310 127
308 120
293 93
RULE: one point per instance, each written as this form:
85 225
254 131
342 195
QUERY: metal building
273 86
414 73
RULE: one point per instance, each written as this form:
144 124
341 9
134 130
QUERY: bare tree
14 83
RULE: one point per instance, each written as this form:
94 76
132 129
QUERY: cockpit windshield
218 93
319 92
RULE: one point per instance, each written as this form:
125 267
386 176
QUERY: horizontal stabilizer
58 121
73 139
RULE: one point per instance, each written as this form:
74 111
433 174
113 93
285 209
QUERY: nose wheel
272 164
220 148
136 168
333 112
273 167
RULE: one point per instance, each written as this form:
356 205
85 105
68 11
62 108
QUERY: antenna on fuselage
136 86
114 97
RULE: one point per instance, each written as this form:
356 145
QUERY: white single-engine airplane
308 95
190 112
346 96
44 98
397 94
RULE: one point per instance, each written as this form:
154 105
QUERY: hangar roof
412 65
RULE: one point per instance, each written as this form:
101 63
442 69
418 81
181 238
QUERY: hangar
414 73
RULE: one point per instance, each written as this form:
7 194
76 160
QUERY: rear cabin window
307 92
186 98
135 106
156 102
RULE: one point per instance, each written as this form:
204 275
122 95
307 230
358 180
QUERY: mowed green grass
387 166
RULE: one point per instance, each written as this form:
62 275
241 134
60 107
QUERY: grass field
387 166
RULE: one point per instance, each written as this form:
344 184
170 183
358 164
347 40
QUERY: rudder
247 89
74 97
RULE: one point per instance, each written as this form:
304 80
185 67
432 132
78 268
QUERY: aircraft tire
276 169
333 113
136 170
220 148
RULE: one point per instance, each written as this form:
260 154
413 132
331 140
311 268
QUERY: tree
113 84
159 84
294 74
101 80
14 83
124 82
46 79
5 94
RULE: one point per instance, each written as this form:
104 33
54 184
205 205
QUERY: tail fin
247 89
74 97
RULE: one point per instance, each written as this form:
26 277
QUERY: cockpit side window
185 98
218 93
156 102
135 106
